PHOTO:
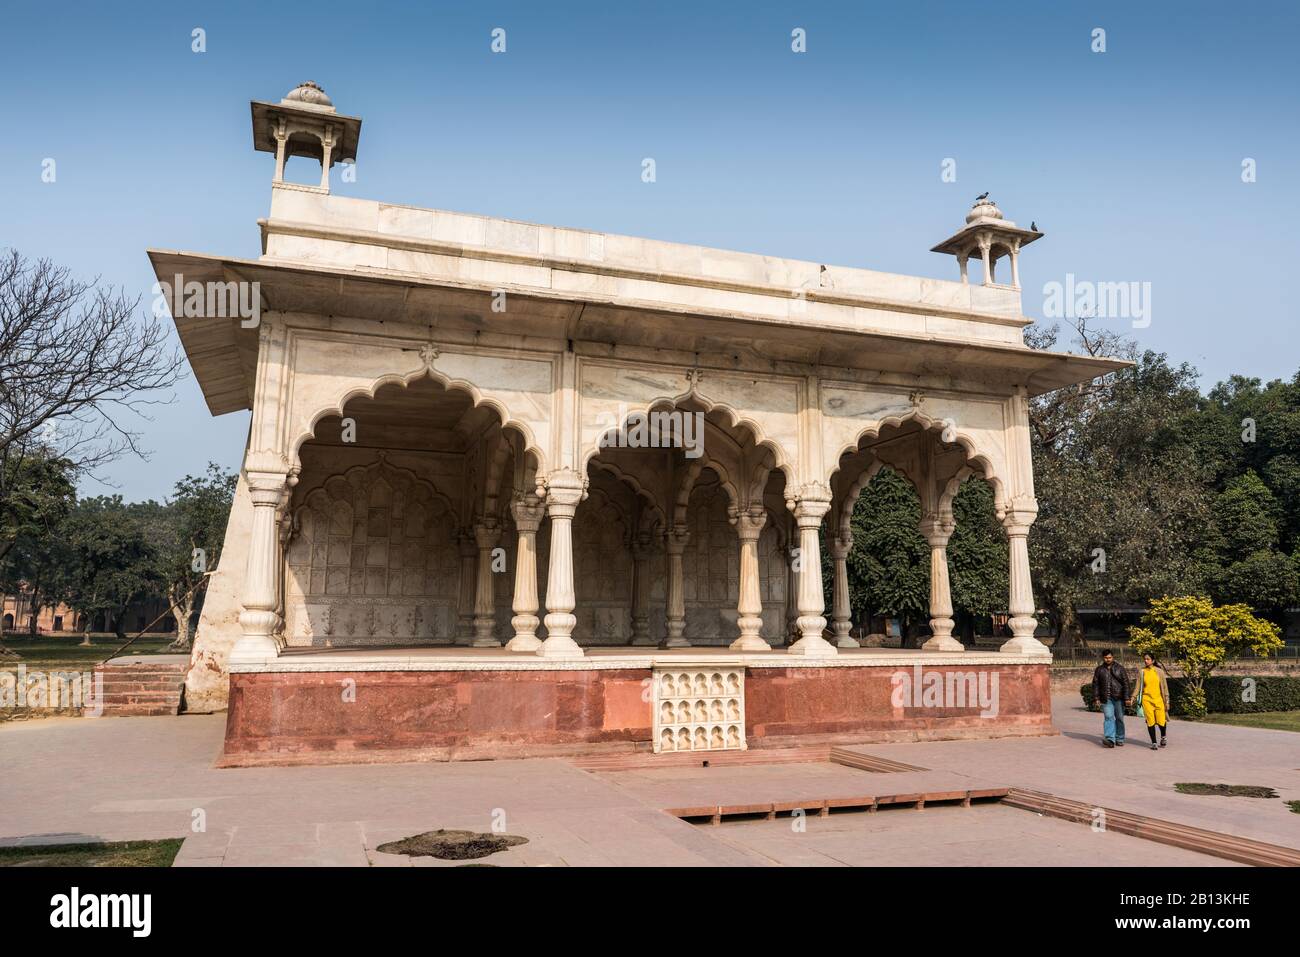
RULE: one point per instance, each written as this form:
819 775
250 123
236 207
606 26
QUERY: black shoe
1119 744
1163 742
1109 743
1154 746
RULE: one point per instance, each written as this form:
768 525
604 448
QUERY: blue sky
1130 160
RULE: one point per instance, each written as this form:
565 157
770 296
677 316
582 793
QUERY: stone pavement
980 836
70 779
1135 778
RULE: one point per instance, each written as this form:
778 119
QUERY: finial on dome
309 94
984 208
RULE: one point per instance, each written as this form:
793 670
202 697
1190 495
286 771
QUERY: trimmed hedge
1223 694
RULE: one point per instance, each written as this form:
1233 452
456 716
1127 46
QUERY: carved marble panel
699 709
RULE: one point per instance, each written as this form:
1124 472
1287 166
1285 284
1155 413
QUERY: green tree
889 565
1123 496
978 560
1240 553
1242 425
1199 636
40 495
111 561
190 531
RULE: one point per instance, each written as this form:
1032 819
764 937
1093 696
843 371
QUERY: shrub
1224 694
1191 631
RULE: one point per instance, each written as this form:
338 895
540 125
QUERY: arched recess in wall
722 415
348 394
943 433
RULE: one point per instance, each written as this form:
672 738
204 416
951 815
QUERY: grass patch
1273 720
114 854
1294 806
1226 790
451 845
55 652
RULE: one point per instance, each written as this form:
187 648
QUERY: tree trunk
1070 631
118 629
181 611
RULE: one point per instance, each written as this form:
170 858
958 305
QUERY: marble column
985 244
468 590
259 619
487 534
809 509
528 513
675 540
792 587
642 550
327 150
564 490
749 526
841 610
937 529
1017 520
281 141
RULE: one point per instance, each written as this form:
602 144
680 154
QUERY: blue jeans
1113 725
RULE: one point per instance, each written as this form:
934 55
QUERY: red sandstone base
326 717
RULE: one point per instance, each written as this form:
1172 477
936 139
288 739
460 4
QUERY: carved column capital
565 488
810 505
528 513
1019 515
749 522
643 546
937 527
466 544
676 539
487 533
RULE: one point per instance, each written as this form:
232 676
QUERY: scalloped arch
735 420
931 424
632 482
404 381
380 464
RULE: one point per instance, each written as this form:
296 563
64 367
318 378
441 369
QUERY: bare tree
78 368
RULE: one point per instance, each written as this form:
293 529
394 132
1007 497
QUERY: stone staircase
143 685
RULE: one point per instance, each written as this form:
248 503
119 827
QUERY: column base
559 641
560 646
813 646
527 643
677 642
749 643
255 648
1025 645
943 643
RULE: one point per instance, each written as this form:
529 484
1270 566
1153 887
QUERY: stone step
693 759
115 709
868 762
141 688
823 806
122 684
1243 850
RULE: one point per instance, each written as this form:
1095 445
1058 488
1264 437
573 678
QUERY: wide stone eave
223 354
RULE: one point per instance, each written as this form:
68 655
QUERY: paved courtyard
136 778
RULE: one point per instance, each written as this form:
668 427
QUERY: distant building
16 616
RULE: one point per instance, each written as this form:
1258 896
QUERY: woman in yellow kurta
1153 697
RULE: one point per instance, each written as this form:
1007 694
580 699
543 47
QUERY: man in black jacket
1110 689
